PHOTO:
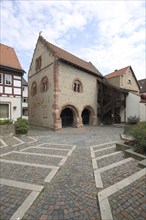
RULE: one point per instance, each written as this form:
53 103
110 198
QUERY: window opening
44 84
1 78
38 63
34 88
77 87
8 80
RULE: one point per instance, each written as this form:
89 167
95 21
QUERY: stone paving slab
118 173
30 158
42 150
110 159
11 198
60 146
12 140
102 152
22 173
27 139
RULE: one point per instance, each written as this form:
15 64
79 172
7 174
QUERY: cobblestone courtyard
70 174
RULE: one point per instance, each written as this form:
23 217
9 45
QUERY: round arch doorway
67 117
86 116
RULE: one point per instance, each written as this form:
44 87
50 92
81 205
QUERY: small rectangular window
25 99
8 80
4 111
38 63
1 78
25 111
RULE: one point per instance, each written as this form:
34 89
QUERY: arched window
77 86
34 88
44 84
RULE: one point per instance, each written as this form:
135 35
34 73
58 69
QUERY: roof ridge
63 50
7 46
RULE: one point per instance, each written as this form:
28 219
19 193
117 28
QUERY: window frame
38 63
44 84
77 86
34 88
1 78
8 75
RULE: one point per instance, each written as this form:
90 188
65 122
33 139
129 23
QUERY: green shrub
5 122
139 133
133 120
21 126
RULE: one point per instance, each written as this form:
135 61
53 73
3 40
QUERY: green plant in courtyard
21 126
5 122
133 120
139 133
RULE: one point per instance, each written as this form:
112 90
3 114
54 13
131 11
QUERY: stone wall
7 130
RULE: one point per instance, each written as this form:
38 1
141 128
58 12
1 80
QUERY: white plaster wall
17 83
14 113
132 106
25 91
143 112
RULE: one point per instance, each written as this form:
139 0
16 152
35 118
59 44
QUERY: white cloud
108 33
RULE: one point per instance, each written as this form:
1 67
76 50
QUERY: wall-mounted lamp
14 107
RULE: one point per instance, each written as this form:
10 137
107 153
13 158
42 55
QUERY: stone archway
85 116
69 116
88 116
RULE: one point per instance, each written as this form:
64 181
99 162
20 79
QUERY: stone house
124 78
65 90
62 88
11 75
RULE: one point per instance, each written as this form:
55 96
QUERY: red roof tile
8 57
66 56
117 73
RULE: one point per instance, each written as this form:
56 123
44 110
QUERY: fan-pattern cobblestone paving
70 192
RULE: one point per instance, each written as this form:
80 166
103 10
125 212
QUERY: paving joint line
29 164
4 143
21 142
107 155
37 154
105 144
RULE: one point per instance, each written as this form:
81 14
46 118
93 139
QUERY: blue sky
110 34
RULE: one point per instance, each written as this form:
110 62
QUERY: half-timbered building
11 74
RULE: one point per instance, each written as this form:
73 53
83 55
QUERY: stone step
119 172
107 197
107 159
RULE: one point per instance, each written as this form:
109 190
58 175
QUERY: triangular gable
70 58
121 72
116 73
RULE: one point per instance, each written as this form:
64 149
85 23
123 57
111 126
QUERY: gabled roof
70 58
8 58
142 85
117 73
